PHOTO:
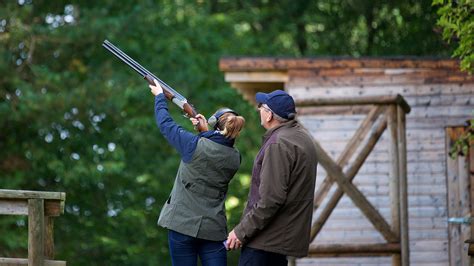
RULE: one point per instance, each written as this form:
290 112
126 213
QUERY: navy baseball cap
280 102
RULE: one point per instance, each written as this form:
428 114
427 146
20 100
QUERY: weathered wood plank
352 145
351 172
415 212
27 194
20 207
360 201
13 207
371 236
262 63
22 262
409 92
368 100
403 183
36 232
464 206
336 250
49 238
332 110
379 80
416 111
53 207
471 194
264 77
358 223
394 174
454 199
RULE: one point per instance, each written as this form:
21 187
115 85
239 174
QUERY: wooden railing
384 112
41 208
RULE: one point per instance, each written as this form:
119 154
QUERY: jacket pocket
204 190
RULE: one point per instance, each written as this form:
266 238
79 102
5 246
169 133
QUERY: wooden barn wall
436 103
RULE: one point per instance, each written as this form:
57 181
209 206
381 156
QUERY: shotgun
169 92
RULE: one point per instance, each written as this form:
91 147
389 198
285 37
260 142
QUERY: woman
194 213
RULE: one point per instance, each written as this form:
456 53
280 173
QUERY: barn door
460 195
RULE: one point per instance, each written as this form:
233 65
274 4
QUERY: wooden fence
383 112
41 208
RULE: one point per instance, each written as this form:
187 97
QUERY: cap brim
261 97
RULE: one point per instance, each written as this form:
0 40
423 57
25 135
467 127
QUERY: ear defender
212 121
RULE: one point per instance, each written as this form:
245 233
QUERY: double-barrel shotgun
169 92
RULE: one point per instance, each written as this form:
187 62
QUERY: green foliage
75 119
464 141
457 20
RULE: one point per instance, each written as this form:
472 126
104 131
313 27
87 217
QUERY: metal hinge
460 220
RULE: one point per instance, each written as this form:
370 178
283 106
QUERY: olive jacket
280 204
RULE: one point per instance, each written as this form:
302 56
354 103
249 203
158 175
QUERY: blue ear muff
212 121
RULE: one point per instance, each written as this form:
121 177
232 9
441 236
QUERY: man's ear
270 117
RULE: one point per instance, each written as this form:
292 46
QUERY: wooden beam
53 207
353 250
354 194
351 172
24 262
333 110
352 145
394 182
272 63
20 207
49 238
28 194
249 89
470 250
384 100
402 152
13 207
36 232
246 76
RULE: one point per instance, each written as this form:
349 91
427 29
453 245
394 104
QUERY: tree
457 21
75 119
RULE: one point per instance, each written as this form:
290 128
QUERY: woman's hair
230 125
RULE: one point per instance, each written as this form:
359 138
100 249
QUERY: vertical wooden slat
402 152
464 209
452 175
394 182
49 238
35 232
471 194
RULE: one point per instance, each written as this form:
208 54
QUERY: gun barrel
139 68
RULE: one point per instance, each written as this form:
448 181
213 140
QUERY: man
277 220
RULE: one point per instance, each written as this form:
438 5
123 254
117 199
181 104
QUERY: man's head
275 107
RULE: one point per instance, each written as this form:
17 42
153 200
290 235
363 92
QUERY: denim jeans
185 250
256 257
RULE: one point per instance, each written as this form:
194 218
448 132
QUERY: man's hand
199 119
156 89
232 241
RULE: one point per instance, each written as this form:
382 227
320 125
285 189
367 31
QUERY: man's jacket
280 205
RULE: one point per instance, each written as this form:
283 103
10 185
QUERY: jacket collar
217 137
271 131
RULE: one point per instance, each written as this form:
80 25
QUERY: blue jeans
256 257
185 250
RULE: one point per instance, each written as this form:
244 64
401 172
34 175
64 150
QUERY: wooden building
441 99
